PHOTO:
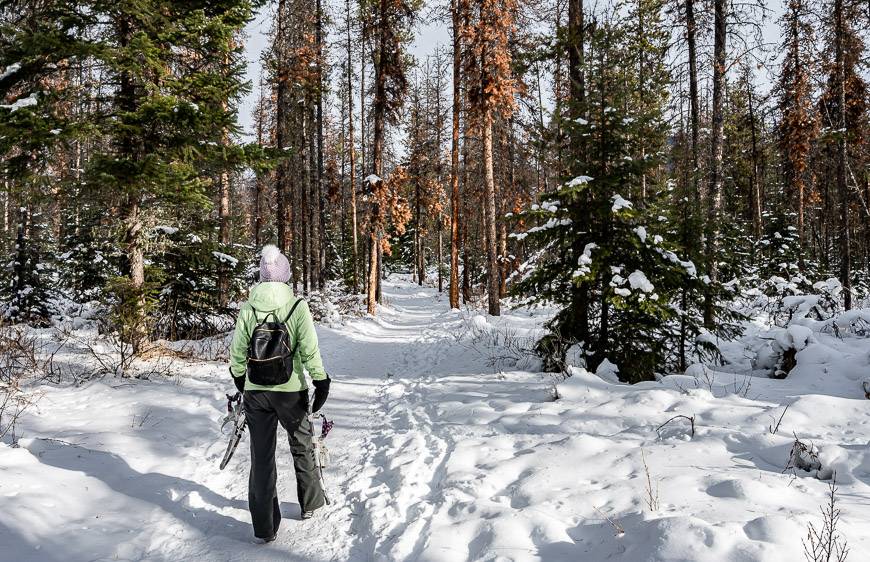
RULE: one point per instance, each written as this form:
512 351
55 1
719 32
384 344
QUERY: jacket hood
270 295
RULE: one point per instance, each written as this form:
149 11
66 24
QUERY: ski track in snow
437 458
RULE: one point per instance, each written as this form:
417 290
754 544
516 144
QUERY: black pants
263 411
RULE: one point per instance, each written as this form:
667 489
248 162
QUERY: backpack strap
292 310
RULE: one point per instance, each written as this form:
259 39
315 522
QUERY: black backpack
270 356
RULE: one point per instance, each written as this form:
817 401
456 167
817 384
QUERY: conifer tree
843 113
592 237
798 125
394 19
491 91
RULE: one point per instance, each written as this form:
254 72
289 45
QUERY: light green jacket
277 298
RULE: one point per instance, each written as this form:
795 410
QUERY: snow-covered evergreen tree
602 256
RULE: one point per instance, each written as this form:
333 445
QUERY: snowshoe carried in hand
235 422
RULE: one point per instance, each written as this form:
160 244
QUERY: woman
282 394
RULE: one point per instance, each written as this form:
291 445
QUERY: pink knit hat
274 265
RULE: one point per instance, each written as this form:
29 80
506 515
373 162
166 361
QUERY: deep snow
449 446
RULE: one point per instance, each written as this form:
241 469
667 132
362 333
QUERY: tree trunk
691 31
489 205
418 242
136 258
441 254
281 101
260 180
314 224
842 188
305 191
755 182
224 236
372 285
380 108
352 156
716 151
129 149
504 262
454 158
323 239
576 52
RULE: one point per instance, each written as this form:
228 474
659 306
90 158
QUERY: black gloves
321 391
239 382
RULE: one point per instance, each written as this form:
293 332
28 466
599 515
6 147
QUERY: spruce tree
603 257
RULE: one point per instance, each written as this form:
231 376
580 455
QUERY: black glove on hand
239 382
321 391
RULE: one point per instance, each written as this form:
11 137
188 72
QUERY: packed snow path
439 456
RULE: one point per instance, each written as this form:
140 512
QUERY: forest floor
449 445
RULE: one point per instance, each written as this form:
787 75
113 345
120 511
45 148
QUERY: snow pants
263 411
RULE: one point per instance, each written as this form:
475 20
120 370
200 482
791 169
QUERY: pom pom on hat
274 265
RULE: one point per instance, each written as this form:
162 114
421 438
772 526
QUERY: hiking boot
268 539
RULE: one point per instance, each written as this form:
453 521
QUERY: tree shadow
171 494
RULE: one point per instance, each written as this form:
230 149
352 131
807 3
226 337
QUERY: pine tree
843 112
394 19
604 259
456 9
491 91
799 124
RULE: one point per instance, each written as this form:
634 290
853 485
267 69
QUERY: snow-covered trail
127 470
439 457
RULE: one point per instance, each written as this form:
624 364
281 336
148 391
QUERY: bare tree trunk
363 126
281 101
323 238
377 159
313 224
489 205
691 31
260 180
754 181
418 239
454 158
352 155
372 285
576 53
716 152
466 212
305 208
130 148
441 254
136 259
6 209
842 188
504 262
224 236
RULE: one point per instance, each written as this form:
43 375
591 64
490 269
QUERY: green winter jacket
277 297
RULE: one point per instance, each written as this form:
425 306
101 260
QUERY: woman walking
273 344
